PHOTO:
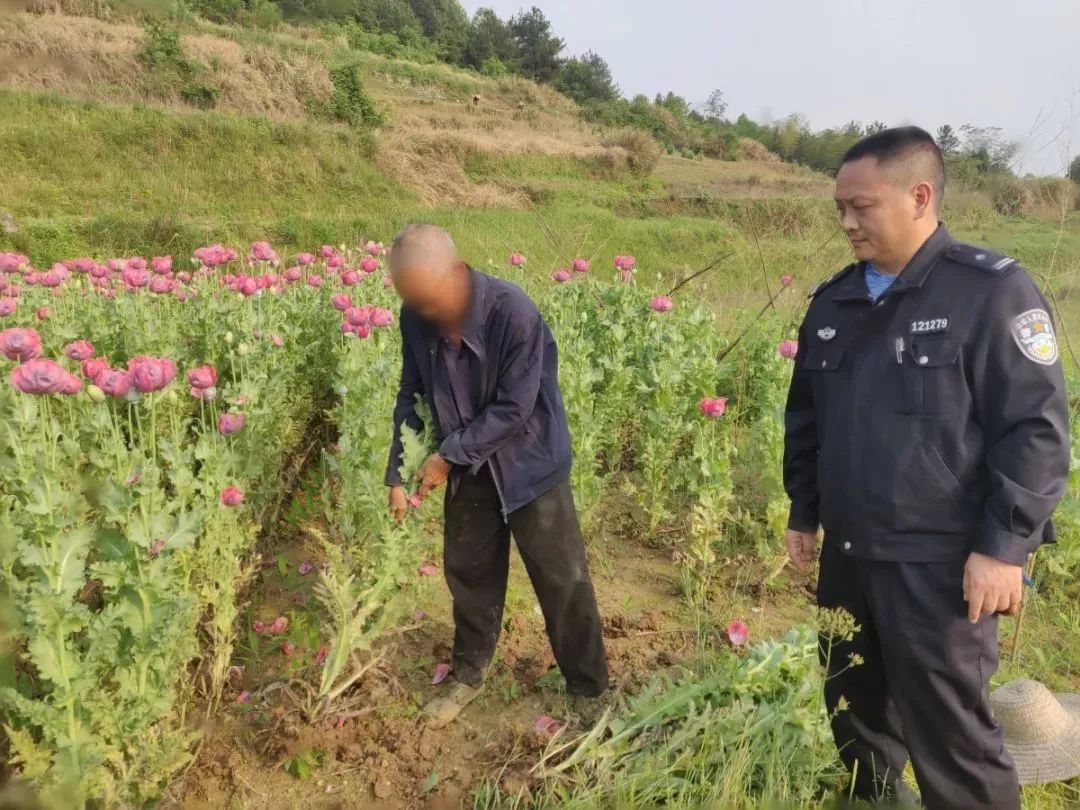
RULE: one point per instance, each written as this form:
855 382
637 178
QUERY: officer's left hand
433 473
991 586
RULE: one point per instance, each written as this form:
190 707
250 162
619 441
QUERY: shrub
493 66
642 150
161 49
1011 196
203 96
349 103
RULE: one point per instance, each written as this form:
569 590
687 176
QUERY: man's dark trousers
476 544
922 687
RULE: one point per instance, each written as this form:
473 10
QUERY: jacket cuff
1002 545
803 519
451 450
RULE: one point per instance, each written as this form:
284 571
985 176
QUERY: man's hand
801 547
992 586
433 473
399 503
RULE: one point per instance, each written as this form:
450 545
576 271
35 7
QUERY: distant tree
676 104
538 48
876 127
948 141
853 129
388 17
989 148
587 79
715 107
1074 169
489 37
445 23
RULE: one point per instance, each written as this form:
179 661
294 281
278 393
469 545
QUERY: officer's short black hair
904 144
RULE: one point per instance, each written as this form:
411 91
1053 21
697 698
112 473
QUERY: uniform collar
472 328
853 286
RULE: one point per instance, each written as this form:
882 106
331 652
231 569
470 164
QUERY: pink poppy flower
244 697
99 271
314 281
71 385
661 303
184 277
232 496
738 633
202 377
788 349
20 344
156 549
374 248
41 376
258 627
94 366
785 280
415 501
363 331
381 317
547 725
369 265
428 570
334 262
116 265
358 315
581 265
114 382
387 281
80 350
561 276
135 263
517 259
327 251
229 423
293 274
162 286
278 625
287 648
161 264
305 569
135 278
205 394
43 313
8 306
713 407
262 252
304 259
350 278
247 286
625 262
441 671
151 374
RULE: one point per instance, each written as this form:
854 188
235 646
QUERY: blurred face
436 294
885 218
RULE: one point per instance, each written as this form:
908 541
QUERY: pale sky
1014 64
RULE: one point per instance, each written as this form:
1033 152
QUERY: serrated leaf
34 759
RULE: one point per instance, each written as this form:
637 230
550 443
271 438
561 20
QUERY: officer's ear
925 202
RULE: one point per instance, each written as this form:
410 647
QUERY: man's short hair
912 146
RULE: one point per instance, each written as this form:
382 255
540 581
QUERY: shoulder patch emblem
826 334
1034 334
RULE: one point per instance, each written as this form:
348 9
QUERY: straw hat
1042 731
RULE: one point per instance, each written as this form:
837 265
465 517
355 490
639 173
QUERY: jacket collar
472 328
853 286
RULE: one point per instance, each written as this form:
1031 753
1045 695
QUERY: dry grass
749 179
93 59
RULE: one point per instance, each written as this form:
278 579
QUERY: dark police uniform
922 427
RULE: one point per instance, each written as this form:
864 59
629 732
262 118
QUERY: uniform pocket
930 370
823 357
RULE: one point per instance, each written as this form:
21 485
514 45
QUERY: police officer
927 433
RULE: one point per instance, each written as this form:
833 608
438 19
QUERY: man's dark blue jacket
520 427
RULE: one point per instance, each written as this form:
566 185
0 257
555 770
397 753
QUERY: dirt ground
386 758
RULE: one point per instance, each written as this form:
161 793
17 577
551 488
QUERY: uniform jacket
931 423
520 426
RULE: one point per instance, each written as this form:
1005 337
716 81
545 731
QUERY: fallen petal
419 615
441 671
258 627
428 570
547 724
305 568
287 648
244 697
278 625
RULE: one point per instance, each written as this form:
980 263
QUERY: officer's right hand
399 503
801 547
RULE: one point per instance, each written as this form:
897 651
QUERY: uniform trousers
914 682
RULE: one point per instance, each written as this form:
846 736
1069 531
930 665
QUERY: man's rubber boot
443 711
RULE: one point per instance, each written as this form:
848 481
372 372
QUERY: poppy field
156 413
